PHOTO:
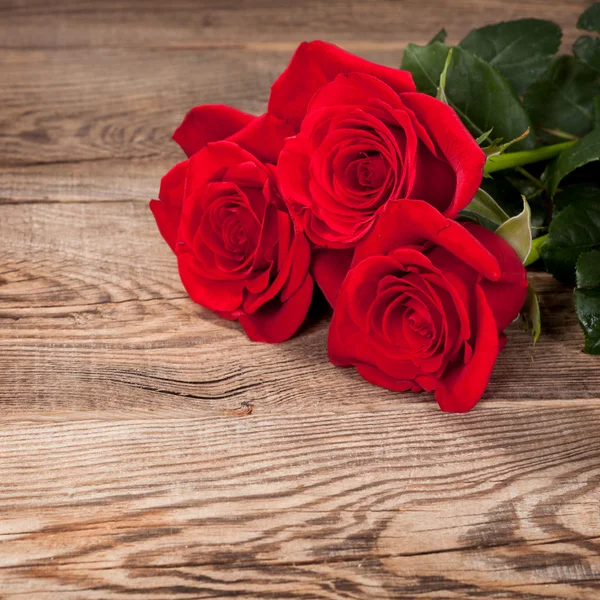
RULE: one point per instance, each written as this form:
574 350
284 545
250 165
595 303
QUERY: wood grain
87 181
259 24
106 108
147 449
104 101
403 503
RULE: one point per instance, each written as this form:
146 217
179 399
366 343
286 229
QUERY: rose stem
534 253
538 184
511 160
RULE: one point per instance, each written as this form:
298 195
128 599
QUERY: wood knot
243 410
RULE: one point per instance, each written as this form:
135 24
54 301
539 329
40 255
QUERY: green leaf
484 205
505 193
584 151
521 50
480 95
517 232
587 299
587 50
574 230
563 98
588 270
590 18
484 136
575 193
441 91
440 36
588 315
426 64
523 184
530 314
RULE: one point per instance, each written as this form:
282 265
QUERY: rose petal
456 144
223 296
167 211
461 387
353 89
209 123
204 167
414 222
375 376
313 65
172 185
167 222
263 137
293 172
300 261
276 322
507 295
292 262
435 180
329 268
348 345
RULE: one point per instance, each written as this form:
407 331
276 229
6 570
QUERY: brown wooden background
147 449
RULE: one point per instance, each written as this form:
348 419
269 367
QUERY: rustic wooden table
148 450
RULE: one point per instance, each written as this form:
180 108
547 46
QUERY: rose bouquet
402 195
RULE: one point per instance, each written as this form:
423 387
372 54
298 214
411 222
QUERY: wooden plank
88 180
65 106
97 323
148 449
107 103
259 24
404 503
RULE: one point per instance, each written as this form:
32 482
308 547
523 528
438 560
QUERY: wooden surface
147 449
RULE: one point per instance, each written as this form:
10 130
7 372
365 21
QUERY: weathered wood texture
405 503
147 449
388 24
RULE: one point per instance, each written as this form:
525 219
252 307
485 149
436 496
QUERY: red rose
365 137
220 211
425 303
317 63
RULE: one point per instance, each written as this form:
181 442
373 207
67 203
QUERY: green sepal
517 232
530 314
